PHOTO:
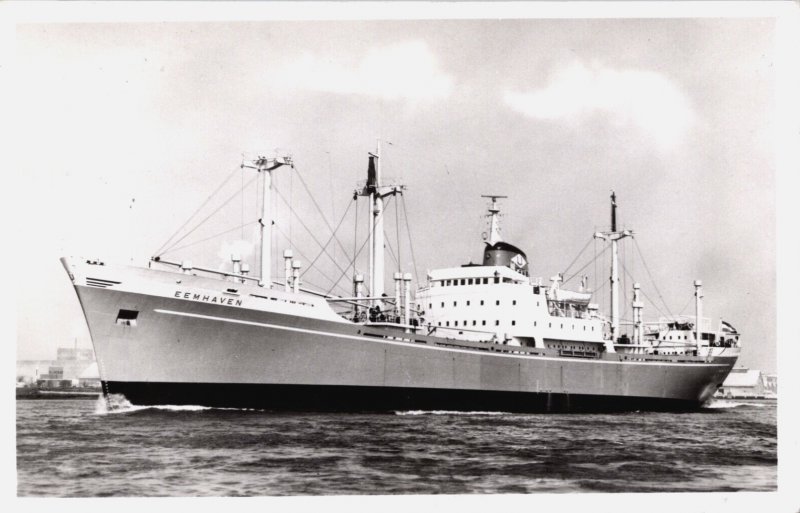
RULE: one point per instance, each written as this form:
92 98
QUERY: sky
126 129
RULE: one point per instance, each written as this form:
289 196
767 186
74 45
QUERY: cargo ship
485 336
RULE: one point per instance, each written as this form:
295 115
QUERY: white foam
720 404
118 403
448 412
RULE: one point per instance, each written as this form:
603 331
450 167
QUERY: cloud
404 70
644 99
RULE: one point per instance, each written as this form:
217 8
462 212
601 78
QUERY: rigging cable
319 209
595 260
329 239
652 303
636 243
355 232
577 257
585 266
211 237
206 218
308 230
397 233
225 181
352 262
300 253
410 243
386 237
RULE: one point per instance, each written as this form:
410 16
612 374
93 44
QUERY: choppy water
68 448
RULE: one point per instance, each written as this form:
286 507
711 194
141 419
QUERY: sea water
86 448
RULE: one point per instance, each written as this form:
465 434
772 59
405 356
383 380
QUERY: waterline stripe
413 344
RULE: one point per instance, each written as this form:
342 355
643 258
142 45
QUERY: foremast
265 166
614 236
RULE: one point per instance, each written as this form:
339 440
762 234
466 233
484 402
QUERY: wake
118 403
721 404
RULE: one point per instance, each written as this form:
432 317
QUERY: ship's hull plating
180 351
344 398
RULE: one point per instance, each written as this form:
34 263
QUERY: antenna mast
494 222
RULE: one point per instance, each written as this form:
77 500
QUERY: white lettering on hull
207 298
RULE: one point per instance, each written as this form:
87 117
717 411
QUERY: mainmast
266 165
614 236
376 191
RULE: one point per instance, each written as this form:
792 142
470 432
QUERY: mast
614 236
376 191
494 221
698 312
265 166
376 285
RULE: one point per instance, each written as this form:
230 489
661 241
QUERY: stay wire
636 243
319 209
397 232
587 265
352 262
329 239
303 224
225 181
410 243
211 237
653 303
300 253
578 256
209 216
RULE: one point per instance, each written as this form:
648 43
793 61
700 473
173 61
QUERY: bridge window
447 323
483 323
469 281
474 322
463 281
497 280
486 281
455 323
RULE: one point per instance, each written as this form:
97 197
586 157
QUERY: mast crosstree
265 166
376 191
